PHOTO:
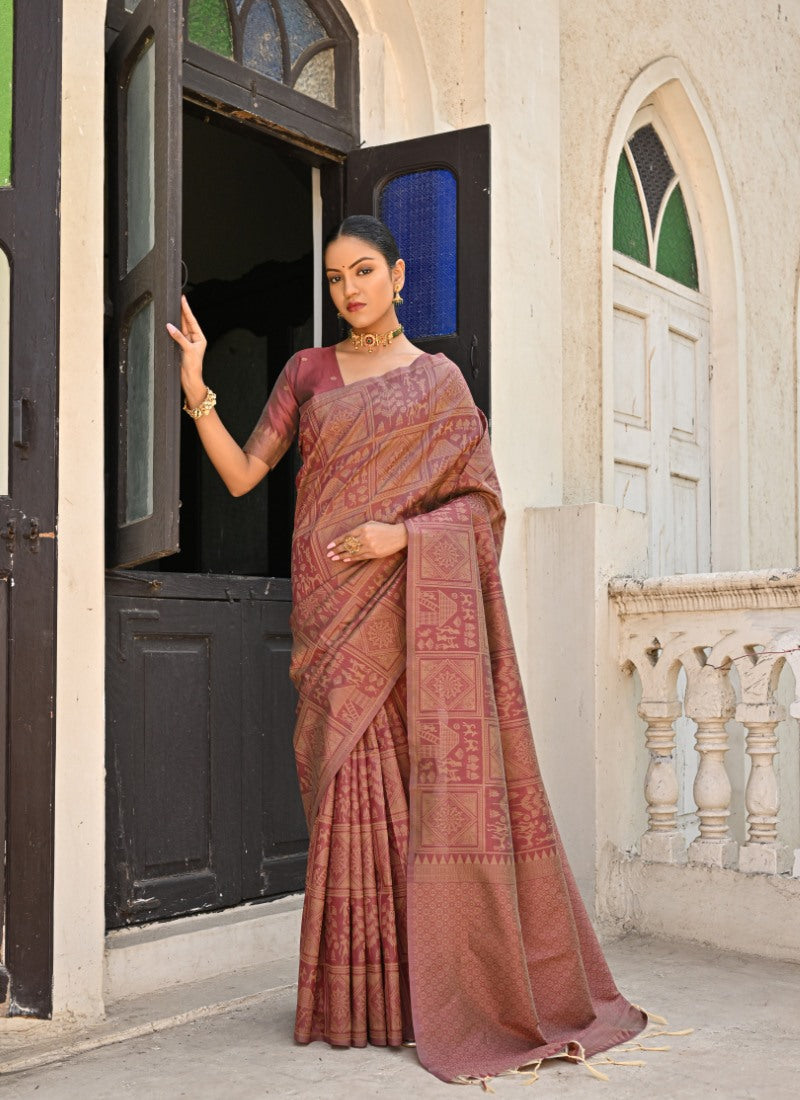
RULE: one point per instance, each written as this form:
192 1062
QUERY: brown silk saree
439 902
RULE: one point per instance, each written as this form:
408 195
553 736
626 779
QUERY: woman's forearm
239 470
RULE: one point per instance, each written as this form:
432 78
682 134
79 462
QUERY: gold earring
397 300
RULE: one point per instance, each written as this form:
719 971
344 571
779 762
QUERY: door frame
30 232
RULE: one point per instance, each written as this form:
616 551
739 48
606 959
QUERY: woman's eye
333 279
365 271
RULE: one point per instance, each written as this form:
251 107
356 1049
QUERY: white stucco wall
743 59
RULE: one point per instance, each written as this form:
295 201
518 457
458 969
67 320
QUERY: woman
439 905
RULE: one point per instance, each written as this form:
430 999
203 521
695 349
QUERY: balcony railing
718 648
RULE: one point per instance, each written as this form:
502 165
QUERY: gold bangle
205 406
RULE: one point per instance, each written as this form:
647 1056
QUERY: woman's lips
353 307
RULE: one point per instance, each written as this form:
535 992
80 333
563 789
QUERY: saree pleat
353 985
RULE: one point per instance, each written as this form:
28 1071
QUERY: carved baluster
711 702
762 852
663 842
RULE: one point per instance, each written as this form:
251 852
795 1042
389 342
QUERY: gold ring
351 544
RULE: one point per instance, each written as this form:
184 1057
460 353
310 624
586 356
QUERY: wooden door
174 763
203 806
144 276
434 194
661 419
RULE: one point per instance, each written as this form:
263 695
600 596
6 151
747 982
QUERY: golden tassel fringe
531 1070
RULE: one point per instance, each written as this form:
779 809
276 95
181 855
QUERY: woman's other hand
192 342
369 540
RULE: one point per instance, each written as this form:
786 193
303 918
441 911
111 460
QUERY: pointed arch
667 86
392 61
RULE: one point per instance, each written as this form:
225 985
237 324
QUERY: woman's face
361 282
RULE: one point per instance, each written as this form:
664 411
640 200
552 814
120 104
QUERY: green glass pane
209 26
630 235
5 394
676 256
140 140
139 416
6 74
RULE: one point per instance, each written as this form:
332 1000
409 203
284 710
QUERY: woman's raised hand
192 342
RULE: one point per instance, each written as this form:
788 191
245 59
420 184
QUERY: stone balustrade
709 625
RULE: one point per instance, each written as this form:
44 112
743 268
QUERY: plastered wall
744 61
80 733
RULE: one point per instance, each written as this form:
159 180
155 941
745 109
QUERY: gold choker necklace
372 340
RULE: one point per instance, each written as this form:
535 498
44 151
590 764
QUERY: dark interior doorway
203 805
248 256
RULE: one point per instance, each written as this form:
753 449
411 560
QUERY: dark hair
372 231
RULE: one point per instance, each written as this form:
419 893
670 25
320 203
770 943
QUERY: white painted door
661 411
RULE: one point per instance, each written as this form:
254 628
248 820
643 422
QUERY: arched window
650 220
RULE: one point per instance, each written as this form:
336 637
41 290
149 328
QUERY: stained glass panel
209 26
139 416
6 87
630 234
5 393
676 256
303 28
140 135
420 209
262 49
317 78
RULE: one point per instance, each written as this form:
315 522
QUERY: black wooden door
144 281
203 805
433 193
174 762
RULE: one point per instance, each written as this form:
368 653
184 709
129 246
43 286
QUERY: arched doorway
235 146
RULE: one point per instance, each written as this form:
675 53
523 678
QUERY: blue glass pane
302 26
420 209
262 41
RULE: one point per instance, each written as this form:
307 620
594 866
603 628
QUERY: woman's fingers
178 337
189 321
343 546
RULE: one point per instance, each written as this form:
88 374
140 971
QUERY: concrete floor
746 1044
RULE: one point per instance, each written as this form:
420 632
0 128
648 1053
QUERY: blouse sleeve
275 429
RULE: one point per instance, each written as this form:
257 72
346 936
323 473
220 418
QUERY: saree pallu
439 901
